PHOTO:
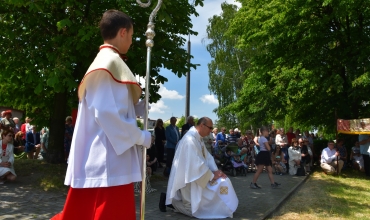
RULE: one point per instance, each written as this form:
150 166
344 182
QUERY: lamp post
149 44
187 104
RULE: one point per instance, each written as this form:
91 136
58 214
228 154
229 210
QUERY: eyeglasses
208 126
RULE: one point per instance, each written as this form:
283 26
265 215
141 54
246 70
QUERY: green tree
227 65
48 46
310 60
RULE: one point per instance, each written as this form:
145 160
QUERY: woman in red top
7 172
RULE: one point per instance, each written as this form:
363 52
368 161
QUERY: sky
173 92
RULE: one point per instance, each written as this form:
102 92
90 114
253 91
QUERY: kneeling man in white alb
196 187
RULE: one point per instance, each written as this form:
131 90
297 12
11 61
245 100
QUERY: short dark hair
112 21
203 120
6 132
264 128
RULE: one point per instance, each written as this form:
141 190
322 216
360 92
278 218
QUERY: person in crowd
308 136
342 152
160 140
149 172
356 157
263 159
26 127
7 120
220 140
151 161
294 157
364 140
244 156
2 115
16 122
310 152
330 159
282 141
7 172
172 137
33 145
44 141
152 152
240 143
196 185
232 137
278 160
19 143
297 134
214 137
68 134
272 141
237 133
208 140
106 150
305 156
290 135
188 125
249 141
256 139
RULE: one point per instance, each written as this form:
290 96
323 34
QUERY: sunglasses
208 126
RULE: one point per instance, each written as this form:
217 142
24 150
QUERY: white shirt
327 155
104 149
279 140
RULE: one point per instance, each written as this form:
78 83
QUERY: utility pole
187 105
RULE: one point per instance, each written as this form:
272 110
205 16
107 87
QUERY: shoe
274 186
277 184
254 186
281 174
162 202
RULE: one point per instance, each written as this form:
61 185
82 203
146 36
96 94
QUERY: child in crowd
150 164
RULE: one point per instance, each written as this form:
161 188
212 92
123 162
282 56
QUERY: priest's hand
219 174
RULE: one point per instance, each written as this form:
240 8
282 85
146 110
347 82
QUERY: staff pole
149 43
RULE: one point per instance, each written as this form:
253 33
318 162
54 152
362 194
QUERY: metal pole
187 105
149 44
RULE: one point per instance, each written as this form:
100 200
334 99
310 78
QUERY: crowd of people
25 141
105 162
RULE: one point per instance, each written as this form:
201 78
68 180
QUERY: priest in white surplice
196 187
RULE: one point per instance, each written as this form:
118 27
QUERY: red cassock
105 203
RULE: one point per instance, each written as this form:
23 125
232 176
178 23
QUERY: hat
236 130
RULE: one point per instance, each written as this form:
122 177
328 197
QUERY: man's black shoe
162 202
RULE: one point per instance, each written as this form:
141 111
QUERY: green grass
40 174
330 197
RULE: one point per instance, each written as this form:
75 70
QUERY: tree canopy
48 46
307 59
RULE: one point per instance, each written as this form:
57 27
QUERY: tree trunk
55 153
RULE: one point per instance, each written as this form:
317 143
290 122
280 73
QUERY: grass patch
40 174
329 197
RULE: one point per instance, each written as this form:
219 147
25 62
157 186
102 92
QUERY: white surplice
105 147
190 190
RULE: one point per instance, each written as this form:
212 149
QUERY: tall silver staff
149 44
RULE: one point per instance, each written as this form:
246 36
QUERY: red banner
354 126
